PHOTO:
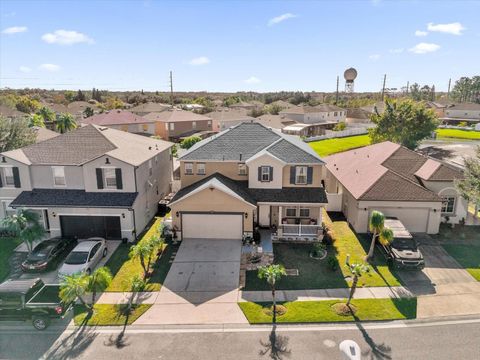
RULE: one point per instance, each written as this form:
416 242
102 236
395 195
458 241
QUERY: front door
264 215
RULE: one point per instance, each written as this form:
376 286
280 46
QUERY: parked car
31 300
84 257
403 251
47 254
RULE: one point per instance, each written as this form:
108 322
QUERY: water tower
350 75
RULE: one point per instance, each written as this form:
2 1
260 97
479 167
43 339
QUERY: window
7 174
291 212
265 173
305 213
201 169
150 169
301 175
109 178
335 113
242 169
58 175
209 123
194 124
448 204
188 168
172 126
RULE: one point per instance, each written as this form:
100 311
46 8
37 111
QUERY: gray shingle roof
246 139
74 198
291 154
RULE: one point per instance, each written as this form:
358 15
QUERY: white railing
299 230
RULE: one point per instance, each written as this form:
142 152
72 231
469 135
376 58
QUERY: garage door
414 219
83 227
212 226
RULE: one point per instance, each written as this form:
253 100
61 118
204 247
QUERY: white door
212 226
414 219
264 215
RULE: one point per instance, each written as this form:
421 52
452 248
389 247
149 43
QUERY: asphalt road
446 340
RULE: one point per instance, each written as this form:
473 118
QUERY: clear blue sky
236 45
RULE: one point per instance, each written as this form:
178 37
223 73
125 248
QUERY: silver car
84 257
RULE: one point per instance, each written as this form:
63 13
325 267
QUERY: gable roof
229 115
175 115
245 140
388 171
116 117
43 133
88 143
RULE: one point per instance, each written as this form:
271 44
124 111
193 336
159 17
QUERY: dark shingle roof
405 162
73 148
446 173
75 198
291 154
245 139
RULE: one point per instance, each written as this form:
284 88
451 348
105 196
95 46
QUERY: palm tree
65 122
26 226
98 281
88 112
74 287
357 270
46 114
138 284
272 273
377 221
36 120
143 252
386 236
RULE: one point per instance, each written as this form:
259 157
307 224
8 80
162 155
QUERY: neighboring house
249 176
323 113
78 107
247 106
401 183
10 113
174 124
306 130
92 181
463 112
44 134
437 107
123 120
225 118
274 121
358 116
149 107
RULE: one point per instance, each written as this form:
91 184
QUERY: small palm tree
272 273
138 284
74 287
65 122
98 281
143 252
46 114
386 236
36 120
376 224
26 226
88 112
357 270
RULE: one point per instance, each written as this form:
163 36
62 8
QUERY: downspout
133 210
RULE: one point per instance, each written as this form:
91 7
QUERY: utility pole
448 91
171 88
408 86
336 96
383 88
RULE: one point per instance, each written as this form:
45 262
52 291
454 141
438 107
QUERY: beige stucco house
245 177
323 113
93 181
401 183
122 120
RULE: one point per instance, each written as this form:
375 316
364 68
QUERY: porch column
319 220
279 216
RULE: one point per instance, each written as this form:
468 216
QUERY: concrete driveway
201 286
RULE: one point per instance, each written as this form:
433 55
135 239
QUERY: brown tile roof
9 112
116 117
464 106
176 115
275 121
446 173
44 134
149 107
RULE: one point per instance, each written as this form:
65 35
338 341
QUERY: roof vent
356 171
240 157
149 148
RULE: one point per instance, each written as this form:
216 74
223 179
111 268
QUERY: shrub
340 126
332 262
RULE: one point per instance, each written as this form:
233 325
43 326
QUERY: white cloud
66 37
454 28
421 33
374 57
252 80
24 69
396 51
424 48
49 67
202 60
14 30
280 18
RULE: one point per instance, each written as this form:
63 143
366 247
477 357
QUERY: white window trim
267 173
172 126
189 168
194 124
4 177
444 199
244 169
104 174
297 175
198 169
304 216
291 208
54 177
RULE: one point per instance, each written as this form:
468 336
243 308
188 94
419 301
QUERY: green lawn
317 274
458 134
7 245
332 146
468 256
107 314
123 268
321 311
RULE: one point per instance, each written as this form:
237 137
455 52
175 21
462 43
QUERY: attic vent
3 159
149 148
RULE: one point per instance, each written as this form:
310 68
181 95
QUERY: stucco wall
463 114
89 174
316 179
265 160
444 188
10 193
42 177
227 168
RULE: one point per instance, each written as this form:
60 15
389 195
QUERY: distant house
44 134
123 120
10 113
306 130
149 107
463 112
358 116
324 113
174 124
225 118
275 121
438 108
247 106
77 108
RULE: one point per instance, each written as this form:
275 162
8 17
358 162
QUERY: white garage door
414 219
212 226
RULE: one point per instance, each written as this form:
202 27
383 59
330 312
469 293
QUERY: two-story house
122 120
463 112
93 181
323 113
248 176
